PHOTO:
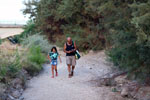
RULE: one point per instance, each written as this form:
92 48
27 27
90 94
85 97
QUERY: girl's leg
52 71
56 70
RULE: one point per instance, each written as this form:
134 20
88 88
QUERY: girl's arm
59 59
49 58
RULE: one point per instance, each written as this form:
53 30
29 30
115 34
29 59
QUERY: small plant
33 60
35 55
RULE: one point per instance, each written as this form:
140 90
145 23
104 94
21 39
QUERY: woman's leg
52 71
56 70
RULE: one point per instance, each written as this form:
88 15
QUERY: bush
12 61
29 29
10 64
33 60
37 40
35 55
131 49
130 56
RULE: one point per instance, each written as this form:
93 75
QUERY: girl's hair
54 48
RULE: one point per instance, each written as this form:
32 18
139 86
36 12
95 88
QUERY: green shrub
131 49
37 40
12 61
35 55
29 29
10 64
33 60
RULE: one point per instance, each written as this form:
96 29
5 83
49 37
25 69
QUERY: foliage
30 57
68 18
29 29
122 25
131 47
33 60
10 63
13 61
35 55
37 40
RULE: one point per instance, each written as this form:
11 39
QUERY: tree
65 17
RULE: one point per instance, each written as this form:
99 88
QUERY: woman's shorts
54 62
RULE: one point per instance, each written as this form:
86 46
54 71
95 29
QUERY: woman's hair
54 48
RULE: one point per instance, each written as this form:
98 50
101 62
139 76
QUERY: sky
10 12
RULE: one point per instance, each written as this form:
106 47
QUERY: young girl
52 56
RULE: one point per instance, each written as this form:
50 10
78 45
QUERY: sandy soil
79 87
6 32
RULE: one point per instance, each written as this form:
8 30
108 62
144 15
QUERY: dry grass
7 46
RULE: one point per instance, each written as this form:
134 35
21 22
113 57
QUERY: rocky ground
14 88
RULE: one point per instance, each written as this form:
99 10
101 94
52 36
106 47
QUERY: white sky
10 10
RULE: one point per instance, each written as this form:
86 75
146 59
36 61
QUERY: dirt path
79 87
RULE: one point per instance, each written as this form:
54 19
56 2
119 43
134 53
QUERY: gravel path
79 87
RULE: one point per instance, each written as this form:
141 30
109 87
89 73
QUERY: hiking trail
79 87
